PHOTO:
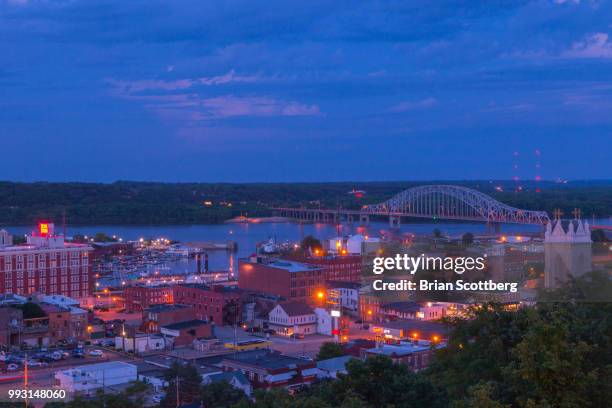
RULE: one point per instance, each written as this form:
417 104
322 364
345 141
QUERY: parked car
156 399
78 353
12 367
254 329
33 363
270 331
96 353
56 356
297 336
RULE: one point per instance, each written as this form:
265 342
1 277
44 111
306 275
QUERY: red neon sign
43 229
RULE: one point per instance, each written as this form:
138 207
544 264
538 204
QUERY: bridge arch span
454 202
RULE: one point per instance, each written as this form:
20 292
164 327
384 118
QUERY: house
267 369
331 367
293 317
184 333
87 378
235 378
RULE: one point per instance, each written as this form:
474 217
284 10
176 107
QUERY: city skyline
244 92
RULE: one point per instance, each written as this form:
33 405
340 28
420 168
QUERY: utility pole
25 378
178 400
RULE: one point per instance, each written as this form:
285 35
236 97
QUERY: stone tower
567 251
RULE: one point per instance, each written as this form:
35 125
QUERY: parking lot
42 375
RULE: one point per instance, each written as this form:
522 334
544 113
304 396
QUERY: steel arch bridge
429 201
454 202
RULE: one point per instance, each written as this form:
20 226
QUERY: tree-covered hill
126 202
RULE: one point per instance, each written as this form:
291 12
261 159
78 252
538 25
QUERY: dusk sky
304 91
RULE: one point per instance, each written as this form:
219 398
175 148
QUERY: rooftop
296 308
341 284
212 288
403 348
166 308
270 360
424 328
227 376
334 364
292 266
405 307
110 365
185 325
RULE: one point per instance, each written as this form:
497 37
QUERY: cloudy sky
304 91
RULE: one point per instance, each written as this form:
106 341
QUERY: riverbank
257 220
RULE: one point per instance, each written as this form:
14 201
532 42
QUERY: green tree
380 382
330 349
189 383
467 238
221 394
31 310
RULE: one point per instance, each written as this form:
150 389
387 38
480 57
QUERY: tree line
126 202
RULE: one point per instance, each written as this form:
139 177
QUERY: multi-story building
140 297
343 295
215 304
291 280
336 267
78 316
160 315
59 323
293 317
46 264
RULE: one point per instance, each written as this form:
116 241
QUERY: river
248 235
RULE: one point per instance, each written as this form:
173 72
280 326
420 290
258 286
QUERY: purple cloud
595 46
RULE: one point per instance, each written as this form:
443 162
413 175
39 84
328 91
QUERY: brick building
59 322
46 264
184 333
289 279
216 304
345 268
160 315
415 354
138 298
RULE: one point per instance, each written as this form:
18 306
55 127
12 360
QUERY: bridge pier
494 227
315 216
364 219
394 221
349 218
